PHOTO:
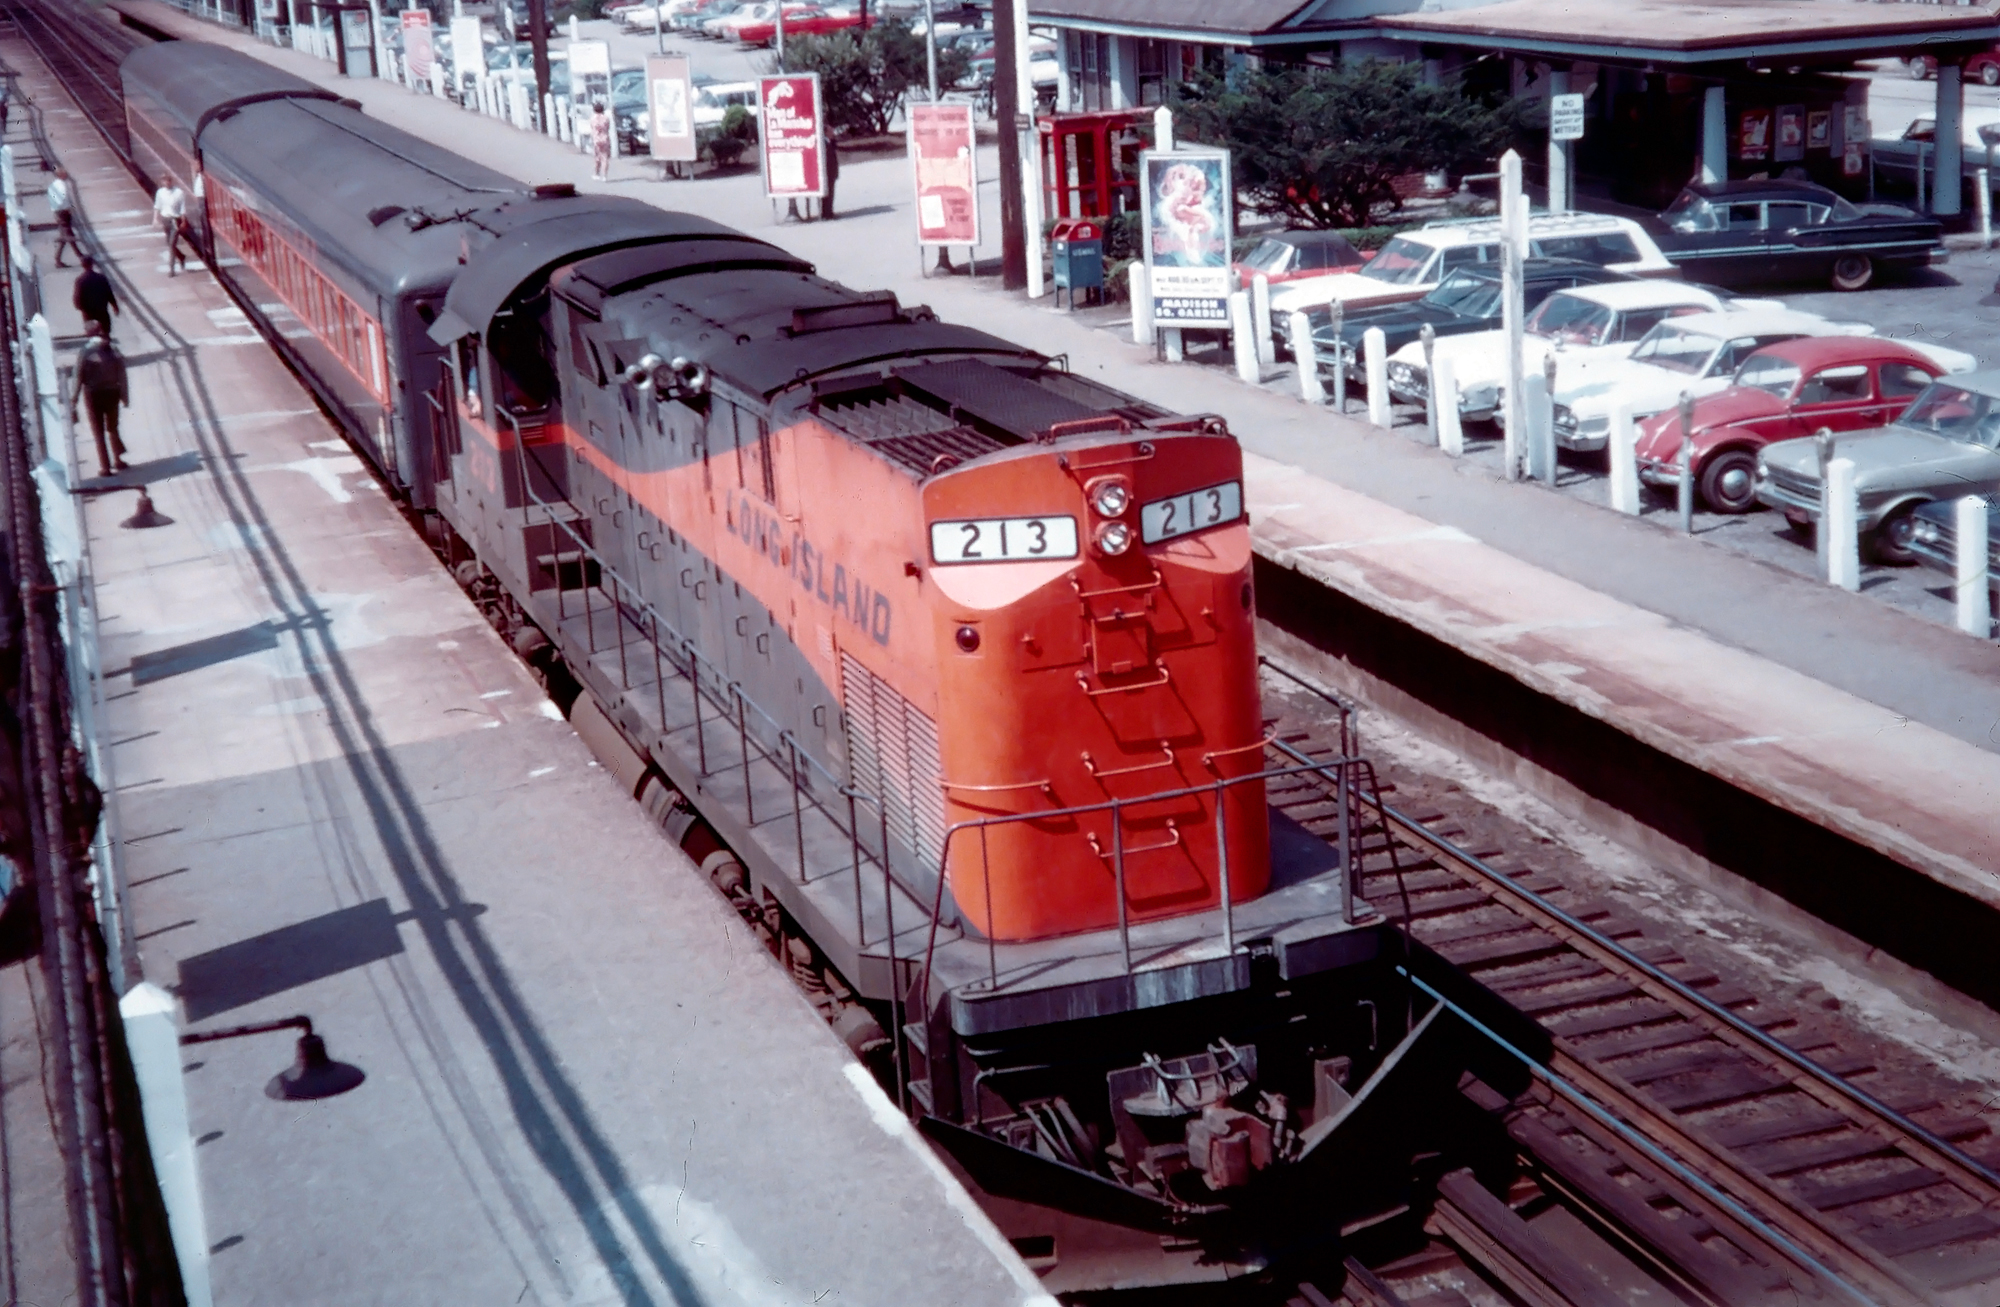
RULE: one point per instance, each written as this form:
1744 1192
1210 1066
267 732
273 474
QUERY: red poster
942 150
792 140
1753 137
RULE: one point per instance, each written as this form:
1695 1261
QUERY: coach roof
196 81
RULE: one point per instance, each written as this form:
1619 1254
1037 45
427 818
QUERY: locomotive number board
1003 539
1197 510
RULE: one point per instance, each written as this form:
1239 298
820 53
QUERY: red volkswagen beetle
1843 383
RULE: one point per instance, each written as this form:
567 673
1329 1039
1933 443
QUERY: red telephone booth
1090 161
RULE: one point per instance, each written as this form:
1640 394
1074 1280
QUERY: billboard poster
468 51
670 107
589 75
792 141
1753 134
1187 215
417 43
1819 130
1791 133
943 151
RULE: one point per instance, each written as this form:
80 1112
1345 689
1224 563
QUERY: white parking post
1983 191
1975 599
1141 289
1624 459
1260 320
1375 366
437 79
1306 352
1240 337
1545 433
1428 336
1512 308
1444 398
1170 343
1684 499
1536 416
1843 541
155 1045
1339 358
549 117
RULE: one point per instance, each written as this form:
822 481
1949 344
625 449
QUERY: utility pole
930 52
1007 112
538 41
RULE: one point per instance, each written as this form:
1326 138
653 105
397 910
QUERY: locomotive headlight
1114 538
1111 497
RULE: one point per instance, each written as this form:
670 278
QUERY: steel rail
1804 1224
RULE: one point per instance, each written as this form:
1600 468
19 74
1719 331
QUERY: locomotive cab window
468 374
524 383
583 354
744 439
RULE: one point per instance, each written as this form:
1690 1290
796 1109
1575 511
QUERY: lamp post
313 1075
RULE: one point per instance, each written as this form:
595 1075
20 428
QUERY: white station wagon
1413 263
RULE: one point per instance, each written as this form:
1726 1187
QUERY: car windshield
1468 294
1953 411
1690 212
1770 374
1400 263
1269 256
1670 347
1571 319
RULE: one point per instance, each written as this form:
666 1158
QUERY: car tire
1918 68
1889 543
1852 272
1989 74
1728 482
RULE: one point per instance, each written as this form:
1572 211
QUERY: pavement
342 795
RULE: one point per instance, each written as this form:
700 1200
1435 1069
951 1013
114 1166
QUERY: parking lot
1952 305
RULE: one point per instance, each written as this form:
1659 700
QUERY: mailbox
1079 257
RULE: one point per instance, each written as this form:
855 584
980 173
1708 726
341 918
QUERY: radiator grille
892 751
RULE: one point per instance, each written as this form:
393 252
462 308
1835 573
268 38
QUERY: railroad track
1760 1172
84 52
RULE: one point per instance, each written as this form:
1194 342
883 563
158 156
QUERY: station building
1675 88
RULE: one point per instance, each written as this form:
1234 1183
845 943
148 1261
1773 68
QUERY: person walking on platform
94 296
832 177
63 205
170 207
600 142
100 383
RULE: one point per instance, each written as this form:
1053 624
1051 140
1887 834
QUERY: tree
1322 145
864 79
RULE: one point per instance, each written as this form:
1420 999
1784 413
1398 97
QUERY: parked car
1934 536
1414 262
629 110
1697 355
1750 232
1466 301
1290 255
713 101
1944 445
1783 392
1585 323
802 20
1983 67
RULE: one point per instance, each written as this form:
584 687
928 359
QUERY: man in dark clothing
832 178
100 382
93 296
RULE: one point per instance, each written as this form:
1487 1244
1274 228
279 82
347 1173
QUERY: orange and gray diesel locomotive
940 657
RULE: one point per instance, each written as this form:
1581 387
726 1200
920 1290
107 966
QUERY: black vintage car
1466 300
1746 232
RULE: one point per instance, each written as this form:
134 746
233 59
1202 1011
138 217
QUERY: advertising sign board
589 74
793 141
943 152
468 51
670 107
417 43
1187 212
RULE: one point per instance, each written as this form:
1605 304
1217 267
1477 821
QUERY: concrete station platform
342 796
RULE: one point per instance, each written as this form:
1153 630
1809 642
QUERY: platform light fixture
312 1075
